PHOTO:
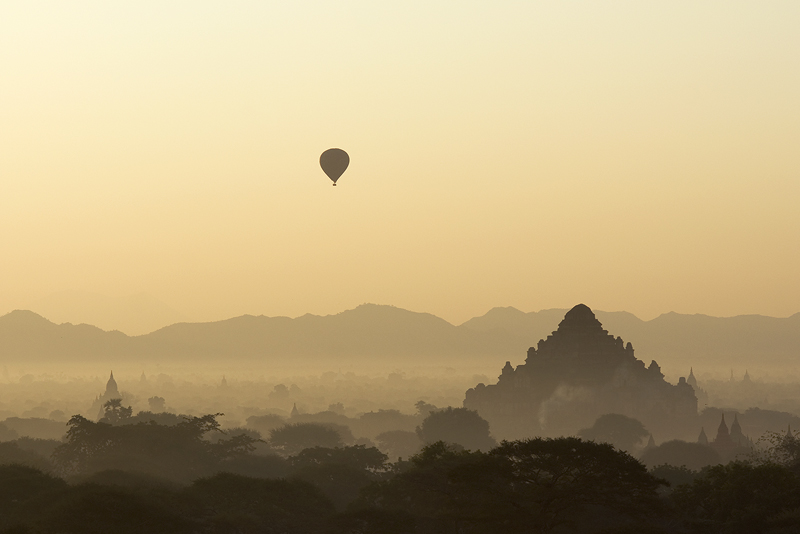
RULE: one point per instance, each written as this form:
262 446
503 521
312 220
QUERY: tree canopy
457 425
694 456
192 484
740 498
535 485
623 432
293 438
178 452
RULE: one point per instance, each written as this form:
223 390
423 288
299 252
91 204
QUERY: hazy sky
633 155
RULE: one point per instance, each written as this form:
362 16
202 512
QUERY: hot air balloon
334 162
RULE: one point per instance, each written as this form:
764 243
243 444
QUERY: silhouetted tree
446 488
293 438
358 457
676 476
694 456
35 427
623 432
232 503
93 509
163 418
178 452
327 417
265 423
373 423
259 445
12 453
537 485
339 472
457 425
279 392
781 448
18 484
740 498
42 447
338 422
399 443
114 412
256 465
424 409
157 404
555 481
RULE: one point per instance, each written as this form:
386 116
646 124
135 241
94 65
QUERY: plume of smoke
563 396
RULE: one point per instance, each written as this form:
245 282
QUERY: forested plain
162 472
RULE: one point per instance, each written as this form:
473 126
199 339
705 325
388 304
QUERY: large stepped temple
575 375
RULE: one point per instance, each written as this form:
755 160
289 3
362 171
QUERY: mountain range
386 334
134 314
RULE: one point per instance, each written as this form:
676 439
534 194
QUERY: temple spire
112 391
691 378
722 431
736 432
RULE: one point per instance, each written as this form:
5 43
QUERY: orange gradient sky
638 156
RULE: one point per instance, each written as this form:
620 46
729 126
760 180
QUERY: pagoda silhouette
111 392
577 374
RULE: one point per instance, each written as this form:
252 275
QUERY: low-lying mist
240 391
236 391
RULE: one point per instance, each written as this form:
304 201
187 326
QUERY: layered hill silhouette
672 338
386 334
133 314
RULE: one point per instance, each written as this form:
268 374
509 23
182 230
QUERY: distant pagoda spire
737 435
691 379
723 444
702 438
112 391
723 435
735 425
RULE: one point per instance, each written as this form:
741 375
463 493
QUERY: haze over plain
633 157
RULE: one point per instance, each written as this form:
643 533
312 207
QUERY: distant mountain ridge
134 314
393 334
743 340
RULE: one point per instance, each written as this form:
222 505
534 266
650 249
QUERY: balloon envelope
334 162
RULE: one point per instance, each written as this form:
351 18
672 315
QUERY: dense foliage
135 475
625 433
457 425
178 452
